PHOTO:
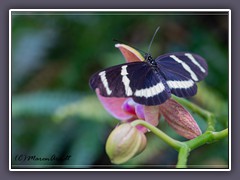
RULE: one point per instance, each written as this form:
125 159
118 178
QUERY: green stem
170 141
182 157
210 118
184 148
220 135
207 137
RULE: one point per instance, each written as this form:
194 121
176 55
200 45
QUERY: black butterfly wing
149 86
180 85
181 71
136 80
190 65
109 82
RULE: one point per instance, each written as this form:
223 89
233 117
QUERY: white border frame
118 10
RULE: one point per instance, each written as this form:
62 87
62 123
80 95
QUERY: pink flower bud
124 143
180 119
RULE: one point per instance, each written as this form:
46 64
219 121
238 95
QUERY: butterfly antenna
153 38
130 45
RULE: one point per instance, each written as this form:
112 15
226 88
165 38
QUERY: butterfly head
149 59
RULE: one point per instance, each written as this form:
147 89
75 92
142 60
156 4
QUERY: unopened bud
124 143
180 119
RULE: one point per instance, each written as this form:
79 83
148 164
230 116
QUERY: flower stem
182 157
184 148
207 137
170 141
220 135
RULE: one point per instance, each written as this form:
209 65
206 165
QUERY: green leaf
40 104
88 107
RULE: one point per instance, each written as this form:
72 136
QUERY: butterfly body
151 82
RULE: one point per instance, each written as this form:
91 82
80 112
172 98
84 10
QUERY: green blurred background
54 112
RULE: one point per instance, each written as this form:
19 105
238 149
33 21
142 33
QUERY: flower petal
129 106
139 109
114 106
152 114
129 53
180 119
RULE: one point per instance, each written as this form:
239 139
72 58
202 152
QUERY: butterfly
151 82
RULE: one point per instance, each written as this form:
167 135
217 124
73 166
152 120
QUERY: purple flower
126 110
